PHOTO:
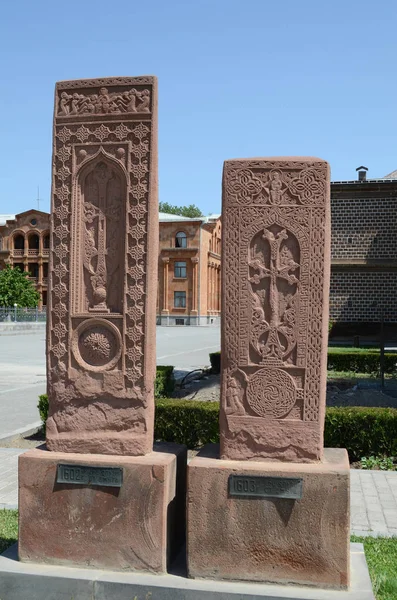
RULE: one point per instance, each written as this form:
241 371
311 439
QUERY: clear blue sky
236 79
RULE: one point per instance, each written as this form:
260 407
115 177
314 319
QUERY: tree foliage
192 211
16 288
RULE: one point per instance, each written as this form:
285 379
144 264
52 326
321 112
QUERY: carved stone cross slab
275 269
103 267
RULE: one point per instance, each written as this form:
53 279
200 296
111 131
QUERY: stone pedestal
270 539
131 527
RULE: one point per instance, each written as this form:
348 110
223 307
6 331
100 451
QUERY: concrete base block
20 581
290 541
137 526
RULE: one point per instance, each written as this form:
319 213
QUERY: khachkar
103 267
272 505
276 262
100 494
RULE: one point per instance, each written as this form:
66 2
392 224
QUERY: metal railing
16 314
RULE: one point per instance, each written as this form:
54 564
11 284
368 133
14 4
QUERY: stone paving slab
373 496
373 502
9 477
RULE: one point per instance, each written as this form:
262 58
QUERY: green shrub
357 360
215 360
186 422
363 431
43 409
164 383
385 463
363 361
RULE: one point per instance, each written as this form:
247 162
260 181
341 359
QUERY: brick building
25 243
189 270
364 250
189 263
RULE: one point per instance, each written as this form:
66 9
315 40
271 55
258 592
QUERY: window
19 242
179 321
34 242
180 269
180 240
33 270
33 222
180 299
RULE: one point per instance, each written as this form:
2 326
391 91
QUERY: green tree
191 211
16 288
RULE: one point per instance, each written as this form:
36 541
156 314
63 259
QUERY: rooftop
4 218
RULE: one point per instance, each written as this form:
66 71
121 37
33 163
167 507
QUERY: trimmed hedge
358 361
164 383
186 422
215 360
363 361
362 431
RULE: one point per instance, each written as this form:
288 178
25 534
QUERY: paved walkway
374 502
9 477
373 496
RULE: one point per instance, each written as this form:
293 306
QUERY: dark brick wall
363 296
364 228
364 251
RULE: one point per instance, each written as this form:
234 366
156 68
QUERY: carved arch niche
274 278
99 223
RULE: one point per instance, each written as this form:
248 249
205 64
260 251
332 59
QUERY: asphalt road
23 370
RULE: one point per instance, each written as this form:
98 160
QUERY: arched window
180 240
19 242
34 242
46 241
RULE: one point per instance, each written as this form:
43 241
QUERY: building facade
189 271
364 250
25 243
363 256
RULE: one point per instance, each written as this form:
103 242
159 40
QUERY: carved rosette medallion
275 269
271 393
96 345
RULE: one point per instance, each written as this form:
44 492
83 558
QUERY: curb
27 430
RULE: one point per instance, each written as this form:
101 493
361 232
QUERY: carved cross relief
274 280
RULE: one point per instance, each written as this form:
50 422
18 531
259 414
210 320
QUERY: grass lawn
381 554
8 528
350 349
353 375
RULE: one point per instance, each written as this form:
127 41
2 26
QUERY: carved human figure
75 104
234 393
144 98
90 107
63 104
275 187
131 97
